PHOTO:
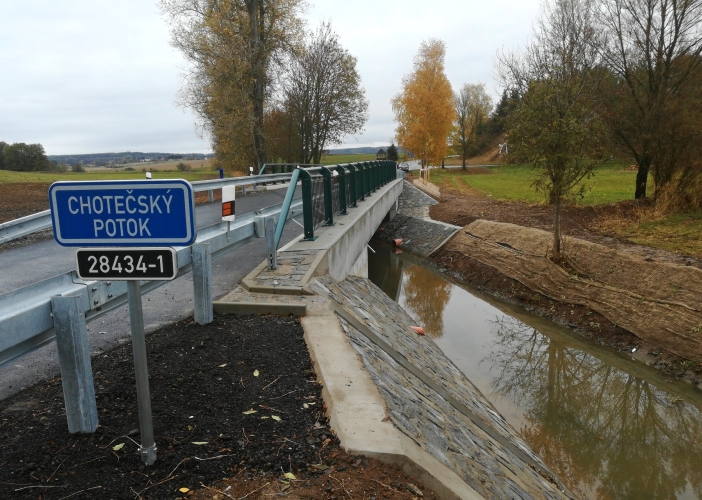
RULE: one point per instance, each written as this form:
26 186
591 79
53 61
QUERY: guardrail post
210 195
202 283
270 243
74 362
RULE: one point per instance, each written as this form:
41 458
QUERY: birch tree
424 108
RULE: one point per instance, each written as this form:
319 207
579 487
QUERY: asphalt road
170 303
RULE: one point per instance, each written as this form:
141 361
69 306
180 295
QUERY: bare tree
473 106
555 126
323 94
653 47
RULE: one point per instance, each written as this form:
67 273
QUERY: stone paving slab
414 202
419 236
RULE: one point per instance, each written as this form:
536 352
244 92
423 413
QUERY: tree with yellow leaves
424 109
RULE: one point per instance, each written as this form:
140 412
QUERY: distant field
158 166
103 174
337 159
514 182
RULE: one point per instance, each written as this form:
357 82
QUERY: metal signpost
128 219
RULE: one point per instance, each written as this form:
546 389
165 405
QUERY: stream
609 426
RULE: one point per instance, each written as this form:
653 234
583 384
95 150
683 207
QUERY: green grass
8 177
677 233
337 159
515 182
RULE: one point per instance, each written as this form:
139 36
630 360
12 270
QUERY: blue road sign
123 213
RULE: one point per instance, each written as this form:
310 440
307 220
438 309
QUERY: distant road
172 302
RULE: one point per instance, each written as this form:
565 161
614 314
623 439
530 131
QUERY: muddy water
612 428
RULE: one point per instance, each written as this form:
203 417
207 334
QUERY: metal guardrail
26 320
40 221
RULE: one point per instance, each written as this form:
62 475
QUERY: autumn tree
555 126
2 147
472 106
234 47
424 108
653 48
323 94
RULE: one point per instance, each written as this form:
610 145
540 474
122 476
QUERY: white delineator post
228 199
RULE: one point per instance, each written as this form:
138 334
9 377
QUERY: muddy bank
472 267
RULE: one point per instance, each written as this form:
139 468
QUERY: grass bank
515 182
614 183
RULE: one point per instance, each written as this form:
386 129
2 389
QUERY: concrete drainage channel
392 394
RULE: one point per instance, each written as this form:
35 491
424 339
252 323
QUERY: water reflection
611 428
602 429
426 295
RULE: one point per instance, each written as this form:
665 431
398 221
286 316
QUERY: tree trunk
642 177
463 160
256 11
557 250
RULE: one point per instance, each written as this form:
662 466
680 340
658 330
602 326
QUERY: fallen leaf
118 447
305 406
290 475
199 443
190 427
249 412
184 490
385 419
320 467
222 366
276 418
256 373
264 418
413 489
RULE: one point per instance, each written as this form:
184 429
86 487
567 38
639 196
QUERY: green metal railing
284 168
332 190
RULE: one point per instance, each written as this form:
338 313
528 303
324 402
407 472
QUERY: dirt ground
237 413
588 223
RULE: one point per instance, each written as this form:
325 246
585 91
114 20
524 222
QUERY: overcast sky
89 76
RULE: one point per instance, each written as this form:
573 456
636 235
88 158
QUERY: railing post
352 184
202 283
364 180
342 189
328 202
210 195
307 205
74 363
